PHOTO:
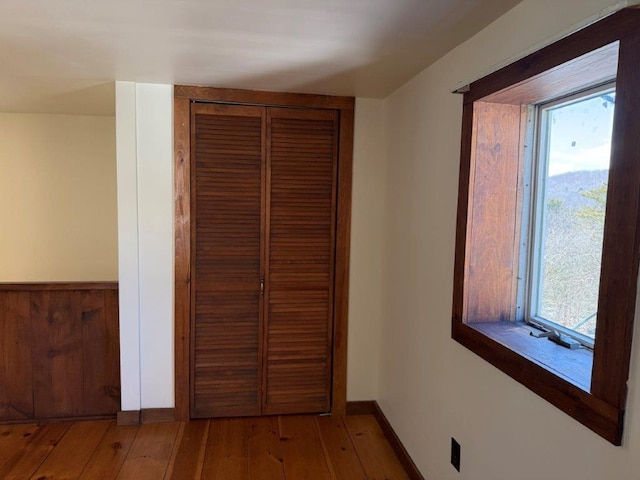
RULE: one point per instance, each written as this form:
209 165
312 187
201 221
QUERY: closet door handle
262 286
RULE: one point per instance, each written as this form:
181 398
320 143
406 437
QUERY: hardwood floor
303 447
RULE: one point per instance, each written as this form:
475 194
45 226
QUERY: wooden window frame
183 97
541 76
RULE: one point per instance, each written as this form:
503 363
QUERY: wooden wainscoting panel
75 354
100 341
16 392
61 351
57 354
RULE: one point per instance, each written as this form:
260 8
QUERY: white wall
432 388
366 283
144 116
58 215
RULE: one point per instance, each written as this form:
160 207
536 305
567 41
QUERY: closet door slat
228 209
301 185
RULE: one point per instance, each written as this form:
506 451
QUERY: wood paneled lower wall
59 351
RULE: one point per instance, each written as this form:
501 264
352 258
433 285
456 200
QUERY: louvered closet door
227 218
301 185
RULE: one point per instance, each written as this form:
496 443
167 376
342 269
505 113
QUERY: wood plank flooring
302 447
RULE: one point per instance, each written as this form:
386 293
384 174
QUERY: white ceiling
59 55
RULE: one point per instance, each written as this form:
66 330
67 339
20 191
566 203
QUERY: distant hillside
572 249
564 187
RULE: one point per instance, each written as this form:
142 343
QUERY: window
548 243
570 177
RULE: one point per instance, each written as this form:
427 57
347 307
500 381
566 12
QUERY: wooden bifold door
263 219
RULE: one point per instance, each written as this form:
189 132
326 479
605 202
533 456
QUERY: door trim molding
183 97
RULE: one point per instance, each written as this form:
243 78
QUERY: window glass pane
578 148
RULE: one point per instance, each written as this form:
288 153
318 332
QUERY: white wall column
128 278
144 136
154 106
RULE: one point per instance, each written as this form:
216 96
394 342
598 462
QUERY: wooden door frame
183 97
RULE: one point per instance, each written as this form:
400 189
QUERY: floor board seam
355 449
203 452
174 451
327 459
94 451
33 473
124 460
173 447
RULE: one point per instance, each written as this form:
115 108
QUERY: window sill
572 365
500 343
